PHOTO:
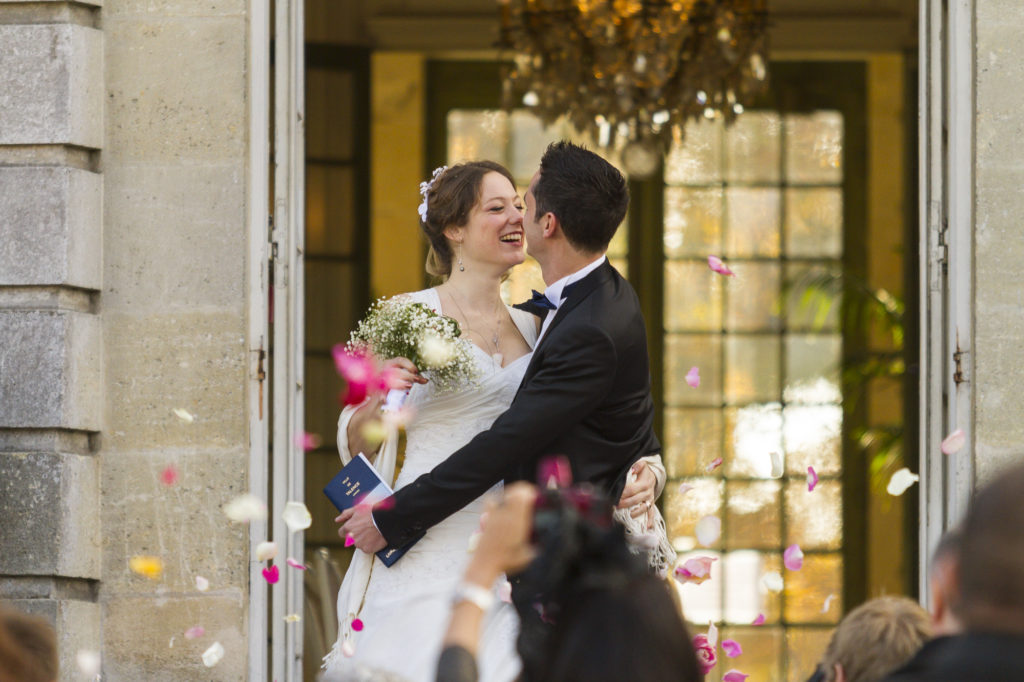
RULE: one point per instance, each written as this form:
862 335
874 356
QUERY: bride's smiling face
493 235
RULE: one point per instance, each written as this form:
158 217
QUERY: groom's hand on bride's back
358 522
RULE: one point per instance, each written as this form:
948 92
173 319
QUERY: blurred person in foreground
874 639
28 648
609 619
989 579
942 575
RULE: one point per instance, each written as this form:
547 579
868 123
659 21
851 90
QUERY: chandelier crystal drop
634 71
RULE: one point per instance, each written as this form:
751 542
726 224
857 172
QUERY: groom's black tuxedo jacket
586 394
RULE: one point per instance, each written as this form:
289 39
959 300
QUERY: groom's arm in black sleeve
576 375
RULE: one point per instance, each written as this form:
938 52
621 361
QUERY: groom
586 393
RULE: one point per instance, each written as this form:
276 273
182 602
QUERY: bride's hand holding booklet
359 483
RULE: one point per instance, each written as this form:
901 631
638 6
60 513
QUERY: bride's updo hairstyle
450 198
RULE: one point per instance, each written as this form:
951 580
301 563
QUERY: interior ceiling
829 25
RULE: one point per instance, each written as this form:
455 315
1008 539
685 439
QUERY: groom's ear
551 225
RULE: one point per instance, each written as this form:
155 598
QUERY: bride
392 620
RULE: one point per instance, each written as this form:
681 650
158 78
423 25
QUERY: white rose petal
246 508
712 634
901 481
953 443
708 530
292 618
184 415
296 516
772 581
266 550
348 649
828 603
202 584
88 662
212 656
777 470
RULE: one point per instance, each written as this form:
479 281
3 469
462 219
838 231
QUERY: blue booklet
359 483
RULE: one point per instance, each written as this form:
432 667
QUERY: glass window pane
807 589
804 648
752 433
477 134
693 439
693 222
330 137
753 515
753 298
752 368
814 148
762 651
322 386
329 319
812 437
330 210
752 218
813 297
521 281
682 511
693 297
683 351
619 245
752 146
529 139
698 159
814 519
812 368
814 223
745 596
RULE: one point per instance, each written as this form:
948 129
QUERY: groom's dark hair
587 194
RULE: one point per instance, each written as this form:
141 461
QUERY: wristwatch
481 597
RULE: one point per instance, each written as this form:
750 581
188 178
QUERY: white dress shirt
554 292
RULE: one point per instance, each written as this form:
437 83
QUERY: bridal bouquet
399 328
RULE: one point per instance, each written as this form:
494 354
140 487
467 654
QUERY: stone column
51 352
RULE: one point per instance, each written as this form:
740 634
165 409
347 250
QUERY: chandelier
633 72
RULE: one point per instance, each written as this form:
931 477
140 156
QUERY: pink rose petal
348 649
793 558
716 264
195 632
693 377
734 676
359 373
307 441
349 540
357 625
271 575
759 620
295 564
695 570
731 648
715 463
812 479
554 472
953 442
685 488
505 591
705 650
169 476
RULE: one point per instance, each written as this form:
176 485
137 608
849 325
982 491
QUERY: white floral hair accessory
425 189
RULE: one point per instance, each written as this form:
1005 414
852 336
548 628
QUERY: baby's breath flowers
397 327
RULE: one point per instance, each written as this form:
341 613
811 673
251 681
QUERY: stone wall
998 237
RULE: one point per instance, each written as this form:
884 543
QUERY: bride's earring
461 267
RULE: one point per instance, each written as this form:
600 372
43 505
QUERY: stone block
144 637
50 504
175 237
50 370
50 227
182 524
196 361
77 625
51 85
176 89
176 8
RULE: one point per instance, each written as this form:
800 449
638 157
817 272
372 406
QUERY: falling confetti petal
307 441
712 634
708 530
296 516
266 550
292 618
705 651
777 470
715 463
812 479
202 584
900 481
150 566
357 625
695 570
685 488
734 676
246 508
348 649
793 558
828 603
184 415
271 575
170 644
294 563
473 541
555 472
505 591
88 662
195 632
731 648
954 442
759 620
212 656
693 377
349 540
772 581
716 264
169 476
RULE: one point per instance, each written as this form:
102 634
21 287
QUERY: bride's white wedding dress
405 609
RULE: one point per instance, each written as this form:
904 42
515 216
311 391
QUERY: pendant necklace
496 356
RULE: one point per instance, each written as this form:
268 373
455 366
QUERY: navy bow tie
542 301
